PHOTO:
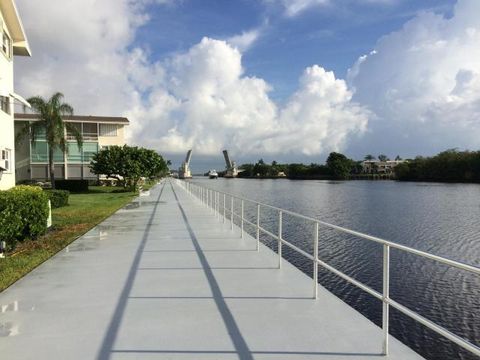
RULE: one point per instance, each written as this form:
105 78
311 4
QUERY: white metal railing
85 137
211 198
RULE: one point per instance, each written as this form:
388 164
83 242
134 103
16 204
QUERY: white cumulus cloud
244 40
199 99
83 49
209 104
423 83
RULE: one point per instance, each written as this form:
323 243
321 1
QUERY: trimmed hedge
72 185
58 198
23 214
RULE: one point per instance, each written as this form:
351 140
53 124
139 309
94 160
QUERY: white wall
7 138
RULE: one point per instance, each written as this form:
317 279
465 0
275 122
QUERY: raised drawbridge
231 166
184 171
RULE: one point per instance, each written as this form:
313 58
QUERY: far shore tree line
448 166
127 164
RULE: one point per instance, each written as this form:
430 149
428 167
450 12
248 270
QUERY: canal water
442 219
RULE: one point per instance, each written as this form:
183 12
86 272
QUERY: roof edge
15 26
80 118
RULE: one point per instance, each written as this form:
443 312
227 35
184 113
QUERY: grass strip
83 213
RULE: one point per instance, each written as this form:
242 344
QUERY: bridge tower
231 166
184 171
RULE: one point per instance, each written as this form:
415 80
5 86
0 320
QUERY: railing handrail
211 198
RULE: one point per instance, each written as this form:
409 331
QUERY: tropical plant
383 157
369 157
51 115
128 164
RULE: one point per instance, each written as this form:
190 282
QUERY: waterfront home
14 43
379 167
99 132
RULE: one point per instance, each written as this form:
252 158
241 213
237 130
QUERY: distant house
13 43
99 132
380 167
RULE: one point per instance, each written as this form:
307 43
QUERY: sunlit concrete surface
163 278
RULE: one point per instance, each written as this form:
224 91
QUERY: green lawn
83 212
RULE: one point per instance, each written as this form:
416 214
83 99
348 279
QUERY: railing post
386 295
231 212
280 216
241 225
315 261
224 207
258 227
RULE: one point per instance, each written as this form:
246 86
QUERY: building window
89 149
6 159
5 104
108 130
90 131
78 127
6 45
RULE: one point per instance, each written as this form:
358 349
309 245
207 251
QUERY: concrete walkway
164 279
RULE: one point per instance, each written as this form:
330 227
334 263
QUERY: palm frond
36 128
23 133
76 133
56 100
65 109
38 103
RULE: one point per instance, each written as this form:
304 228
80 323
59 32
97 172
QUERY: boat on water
212 174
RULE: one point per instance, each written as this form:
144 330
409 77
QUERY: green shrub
23 214
74 186
58 198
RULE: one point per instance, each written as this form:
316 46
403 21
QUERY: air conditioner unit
3 165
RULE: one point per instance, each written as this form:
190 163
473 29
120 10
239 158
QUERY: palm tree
369 157
51 113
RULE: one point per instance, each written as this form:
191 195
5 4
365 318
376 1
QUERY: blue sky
290 80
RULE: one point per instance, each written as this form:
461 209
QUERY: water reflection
9 328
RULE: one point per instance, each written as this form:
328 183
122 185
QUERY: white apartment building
13 43
98 132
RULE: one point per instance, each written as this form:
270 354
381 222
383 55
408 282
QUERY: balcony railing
86 137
